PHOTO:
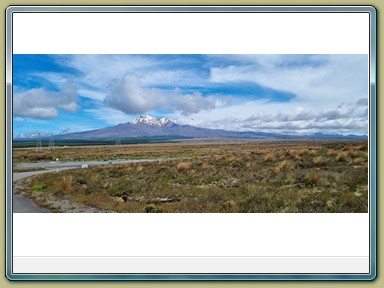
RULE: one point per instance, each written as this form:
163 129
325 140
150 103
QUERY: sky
294 94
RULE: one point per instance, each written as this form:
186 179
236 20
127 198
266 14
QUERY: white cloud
92 94
109 115
193 103
324 78
177 77
44 104
99 71
282 117
129 96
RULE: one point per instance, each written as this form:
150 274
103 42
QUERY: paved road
23 204
74 164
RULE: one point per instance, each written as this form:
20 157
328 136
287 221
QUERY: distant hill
148 126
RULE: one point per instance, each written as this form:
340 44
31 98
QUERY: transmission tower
38 143
51 142
118 142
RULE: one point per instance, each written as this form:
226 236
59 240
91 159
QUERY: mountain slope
148 126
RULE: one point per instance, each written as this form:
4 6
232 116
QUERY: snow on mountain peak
152 121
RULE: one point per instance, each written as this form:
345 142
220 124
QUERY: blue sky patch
54 93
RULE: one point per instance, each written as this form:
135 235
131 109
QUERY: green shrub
152 208
38 187
82 181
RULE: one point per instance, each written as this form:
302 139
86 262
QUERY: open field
218 177
111 152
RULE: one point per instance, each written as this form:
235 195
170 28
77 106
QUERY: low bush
319 161
39 187
66 184
269 158
314 176
342 157
152 208
183 166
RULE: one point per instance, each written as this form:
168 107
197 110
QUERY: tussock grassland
137 151
231 177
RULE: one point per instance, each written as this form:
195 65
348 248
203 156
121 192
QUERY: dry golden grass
319 161
303 152
353 153
286 165
348 148
183 166
213 184
295 154
342 157
362 147
277 170
246 158
358 160
205 165
66 184
283 166
331 152
269 158
251 165
139 168
217 157
234 159
314 176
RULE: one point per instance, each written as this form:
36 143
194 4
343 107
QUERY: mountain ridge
149 126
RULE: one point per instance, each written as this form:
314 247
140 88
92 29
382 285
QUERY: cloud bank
131 97
271 93
44 104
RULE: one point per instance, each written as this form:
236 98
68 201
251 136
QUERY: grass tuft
205 165
314 176
269 158
184 166
319 161
66 184
342 157
152 208
283 166
362 147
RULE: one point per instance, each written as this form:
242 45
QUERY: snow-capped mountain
152 121
149 126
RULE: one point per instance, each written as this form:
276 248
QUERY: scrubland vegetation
219 177
104 153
